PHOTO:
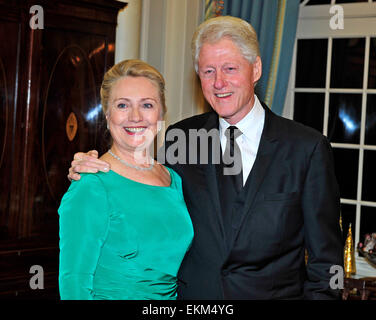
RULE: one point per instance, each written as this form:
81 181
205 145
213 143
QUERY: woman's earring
108 126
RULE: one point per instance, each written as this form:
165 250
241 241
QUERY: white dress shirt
251 126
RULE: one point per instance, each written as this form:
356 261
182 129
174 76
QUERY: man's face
227 79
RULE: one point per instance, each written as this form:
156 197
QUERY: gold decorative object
71 126
349 255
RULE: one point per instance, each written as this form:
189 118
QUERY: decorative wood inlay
71 126
72 68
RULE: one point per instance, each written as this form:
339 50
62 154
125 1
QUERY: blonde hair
215 29
131 68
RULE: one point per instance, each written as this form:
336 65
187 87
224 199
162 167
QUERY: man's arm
321 208
88 163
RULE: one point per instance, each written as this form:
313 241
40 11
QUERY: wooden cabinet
49 109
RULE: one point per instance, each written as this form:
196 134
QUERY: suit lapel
211 170
267 148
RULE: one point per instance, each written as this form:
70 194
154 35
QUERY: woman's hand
88 163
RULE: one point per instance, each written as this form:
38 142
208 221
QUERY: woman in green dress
124 233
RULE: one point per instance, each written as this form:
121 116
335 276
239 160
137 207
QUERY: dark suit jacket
292 203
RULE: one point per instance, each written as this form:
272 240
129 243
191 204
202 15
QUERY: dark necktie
232 158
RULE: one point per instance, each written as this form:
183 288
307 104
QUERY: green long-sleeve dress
121 239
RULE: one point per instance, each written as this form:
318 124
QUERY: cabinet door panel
8 68
49 109
69 117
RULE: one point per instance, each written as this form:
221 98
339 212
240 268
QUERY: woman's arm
84 220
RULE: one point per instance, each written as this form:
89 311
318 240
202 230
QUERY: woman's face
133 113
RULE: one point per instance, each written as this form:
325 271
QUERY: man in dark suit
252 227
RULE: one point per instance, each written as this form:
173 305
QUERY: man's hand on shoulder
87 163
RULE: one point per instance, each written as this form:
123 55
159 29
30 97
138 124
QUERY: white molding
327 86
153 32
166 32
128 31
359 20
173 71
288 109
351 10
354 27
353 146
144 34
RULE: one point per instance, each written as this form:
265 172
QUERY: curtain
213 8
275 22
